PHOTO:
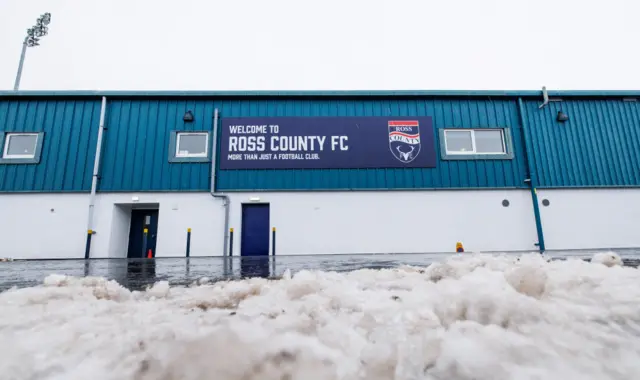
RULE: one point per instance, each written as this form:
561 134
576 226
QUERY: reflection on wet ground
138 273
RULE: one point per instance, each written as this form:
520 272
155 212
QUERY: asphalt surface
136 274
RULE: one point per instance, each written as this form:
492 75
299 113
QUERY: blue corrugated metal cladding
70 127
598 146
449 113
136 146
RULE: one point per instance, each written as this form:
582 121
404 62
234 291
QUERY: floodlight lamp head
32 41
45 18
42 31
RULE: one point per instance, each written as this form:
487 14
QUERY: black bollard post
273 252
230 242
188 241
273 241
145 232
87 248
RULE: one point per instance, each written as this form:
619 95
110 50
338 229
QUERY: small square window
189 146
20 145
466 144
192 144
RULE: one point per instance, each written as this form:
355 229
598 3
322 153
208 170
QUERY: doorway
254 239
141 220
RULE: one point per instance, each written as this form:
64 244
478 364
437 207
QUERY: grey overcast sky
324 44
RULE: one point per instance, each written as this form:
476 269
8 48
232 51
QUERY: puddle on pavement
136 274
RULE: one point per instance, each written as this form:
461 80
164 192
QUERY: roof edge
340 93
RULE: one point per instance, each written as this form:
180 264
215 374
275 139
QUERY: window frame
507 145
174 144
5 136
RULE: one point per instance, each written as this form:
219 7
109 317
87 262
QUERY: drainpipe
532 181
94 181
225 198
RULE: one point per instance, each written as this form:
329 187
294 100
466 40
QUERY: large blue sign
327 142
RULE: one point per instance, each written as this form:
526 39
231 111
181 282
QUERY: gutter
94 180
531 180
225 198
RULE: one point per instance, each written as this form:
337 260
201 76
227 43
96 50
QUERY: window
192 145
21 147
469 144
490 141
189 146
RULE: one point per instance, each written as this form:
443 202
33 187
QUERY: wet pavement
136 274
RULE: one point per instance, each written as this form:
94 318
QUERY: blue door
254 240
141 219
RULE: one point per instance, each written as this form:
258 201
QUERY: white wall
591 218
395 221
306 222
177 212
43 225
119 234
29 229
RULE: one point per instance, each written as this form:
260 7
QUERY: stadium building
131 174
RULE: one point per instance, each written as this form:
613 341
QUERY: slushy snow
469 317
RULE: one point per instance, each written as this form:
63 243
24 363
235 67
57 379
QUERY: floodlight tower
39 30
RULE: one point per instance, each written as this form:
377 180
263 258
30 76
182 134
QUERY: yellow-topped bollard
459 247
273 241
188 242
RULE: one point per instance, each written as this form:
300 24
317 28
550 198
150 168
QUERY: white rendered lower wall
590 218
54 226
177 212
306 222
43 225
395 221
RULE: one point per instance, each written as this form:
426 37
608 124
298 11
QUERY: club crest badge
404 139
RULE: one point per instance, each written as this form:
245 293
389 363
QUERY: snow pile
607 258
470 317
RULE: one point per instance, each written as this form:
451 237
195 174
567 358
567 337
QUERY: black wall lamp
188 116
562 117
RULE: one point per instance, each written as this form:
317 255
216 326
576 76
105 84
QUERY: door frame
138 208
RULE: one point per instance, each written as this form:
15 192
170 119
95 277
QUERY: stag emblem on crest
404 139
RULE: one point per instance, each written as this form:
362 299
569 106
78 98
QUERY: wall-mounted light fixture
188 116
254 199
562 117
